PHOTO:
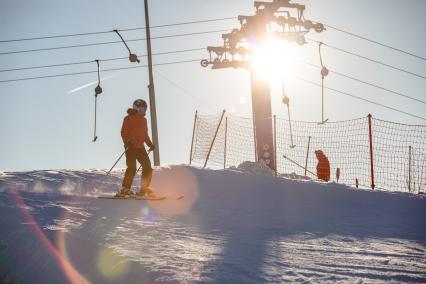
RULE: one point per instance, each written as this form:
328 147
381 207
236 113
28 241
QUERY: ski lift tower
272 19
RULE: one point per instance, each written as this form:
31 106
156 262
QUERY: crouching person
323 166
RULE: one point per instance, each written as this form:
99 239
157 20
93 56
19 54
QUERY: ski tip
150 198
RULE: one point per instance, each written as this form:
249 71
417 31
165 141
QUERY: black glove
151 148
128 144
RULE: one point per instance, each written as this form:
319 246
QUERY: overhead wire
367 83
207 32
360 98
110 31
375 42
110 42
199 49
104 70
196 60
369 59
176 85
182 23
91 61
187 61
212 20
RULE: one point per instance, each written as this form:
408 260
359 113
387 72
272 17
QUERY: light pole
151 90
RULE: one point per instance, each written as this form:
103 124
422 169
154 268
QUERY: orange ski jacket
323 166
135 129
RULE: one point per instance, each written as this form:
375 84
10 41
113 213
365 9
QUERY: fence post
193 133
214 138
255 140
307 154
370 136
226 139
275 144
409 168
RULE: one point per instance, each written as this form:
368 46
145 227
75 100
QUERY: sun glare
276 60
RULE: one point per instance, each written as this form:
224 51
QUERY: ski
136 197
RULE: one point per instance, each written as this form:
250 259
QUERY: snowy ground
231 227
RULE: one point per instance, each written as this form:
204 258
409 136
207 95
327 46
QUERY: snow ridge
233 226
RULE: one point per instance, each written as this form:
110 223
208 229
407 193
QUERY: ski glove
128 144
151 148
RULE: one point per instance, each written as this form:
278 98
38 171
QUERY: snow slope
233 226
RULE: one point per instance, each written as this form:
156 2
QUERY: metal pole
409 169
275 144
214 138
370 136
254 136
289 124
94 130
226 138
324 72
119 158
322 100
98 91
193 133
307 154
297 164
152 90
262 119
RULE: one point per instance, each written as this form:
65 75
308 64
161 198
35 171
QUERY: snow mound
262 168
294 176
259 167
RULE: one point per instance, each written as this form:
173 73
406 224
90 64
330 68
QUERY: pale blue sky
44 127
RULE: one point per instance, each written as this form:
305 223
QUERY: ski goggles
141 109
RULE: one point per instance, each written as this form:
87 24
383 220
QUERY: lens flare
145 211
111 265
275 60
173 183
72 274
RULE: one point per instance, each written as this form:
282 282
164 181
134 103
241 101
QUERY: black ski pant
141 156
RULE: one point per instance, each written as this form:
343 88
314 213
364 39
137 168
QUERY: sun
275 60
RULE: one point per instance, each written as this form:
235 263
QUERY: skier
323 166
134 133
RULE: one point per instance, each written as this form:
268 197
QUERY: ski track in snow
185 254
335 258
65 225
182 254
224 238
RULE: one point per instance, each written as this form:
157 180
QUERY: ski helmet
139 103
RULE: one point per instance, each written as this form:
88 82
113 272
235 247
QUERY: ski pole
297 164
119 158
149 151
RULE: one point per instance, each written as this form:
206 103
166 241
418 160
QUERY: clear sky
44 126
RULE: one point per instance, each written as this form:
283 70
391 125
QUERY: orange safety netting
399 150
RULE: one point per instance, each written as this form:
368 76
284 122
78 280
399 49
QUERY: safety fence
367 152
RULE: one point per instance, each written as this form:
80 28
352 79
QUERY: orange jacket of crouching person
323 166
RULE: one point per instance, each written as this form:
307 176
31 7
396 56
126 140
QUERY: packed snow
240 225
